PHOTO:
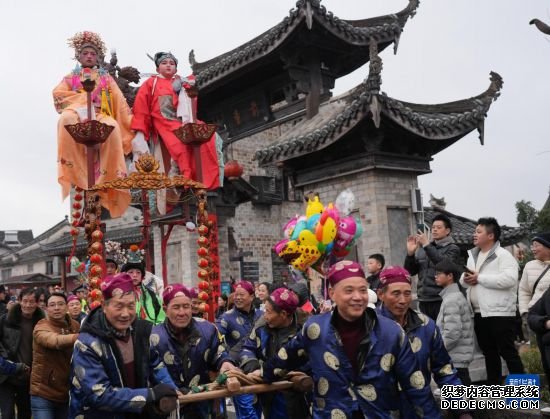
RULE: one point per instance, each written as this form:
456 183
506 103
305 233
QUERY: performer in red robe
162 105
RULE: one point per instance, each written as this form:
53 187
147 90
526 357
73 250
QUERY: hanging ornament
233 169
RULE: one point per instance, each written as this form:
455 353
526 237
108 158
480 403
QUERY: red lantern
203 296
203 230
204 285
77 206
96 270
203 263
202 251
95 294
76 214
232 169
97 235
95 258
78 189
74 232
205 307
94 283
203 274
95 304
203 241
97 247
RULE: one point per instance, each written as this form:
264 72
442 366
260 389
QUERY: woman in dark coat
539 321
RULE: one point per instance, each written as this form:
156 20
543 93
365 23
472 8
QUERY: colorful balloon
345 202
314 206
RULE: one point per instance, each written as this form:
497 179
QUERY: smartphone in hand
467 270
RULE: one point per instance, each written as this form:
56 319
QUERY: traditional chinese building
271 98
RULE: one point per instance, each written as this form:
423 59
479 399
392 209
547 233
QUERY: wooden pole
90 149
251 389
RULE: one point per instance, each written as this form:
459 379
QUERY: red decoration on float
203 230
96 258
96 270
203 263
95 294
203 241
97 235
202 251
204 285
74 232
97 247
95 304
203 274
203 296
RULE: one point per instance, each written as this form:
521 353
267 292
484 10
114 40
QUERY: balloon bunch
322 231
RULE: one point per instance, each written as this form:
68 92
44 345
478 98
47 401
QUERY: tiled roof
463 229
30 279
23 236
384 29
64 244
339 115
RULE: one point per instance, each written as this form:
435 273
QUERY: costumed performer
164 103
109 107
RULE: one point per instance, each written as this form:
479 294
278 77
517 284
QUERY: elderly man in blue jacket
189 347
358 359
113 375
235 325
278 325
426 342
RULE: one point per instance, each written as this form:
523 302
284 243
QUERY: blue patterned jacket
235 325
262 344
98 379
385 358
189 364
427 345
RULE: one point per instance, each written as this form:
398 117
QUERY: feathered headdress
85 39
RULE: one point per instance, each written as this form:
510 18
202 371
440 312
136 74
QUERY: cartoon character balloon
322 231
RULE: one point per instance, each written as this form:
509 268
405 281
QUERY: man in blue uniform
189 347
111 364
271 333
426 342
235 325
357 358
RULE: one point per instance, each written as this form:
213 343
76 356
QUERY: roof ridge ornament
374 81
541 26
192 60
309 15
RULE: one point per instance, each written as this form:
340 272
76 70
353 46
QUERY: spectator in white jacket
491 282
535 279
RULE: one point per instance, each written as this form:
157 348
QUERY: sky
445 53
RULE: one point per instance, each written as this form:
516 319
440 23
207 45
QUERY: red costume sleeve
142 109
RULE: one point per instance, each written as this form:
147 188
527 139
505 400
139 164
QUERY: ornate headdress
115 253
159 56
89 39
134 259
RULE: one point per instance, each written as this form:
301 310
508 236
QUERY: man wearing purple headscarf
235 325
111 367
357 358
270 334
189 347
